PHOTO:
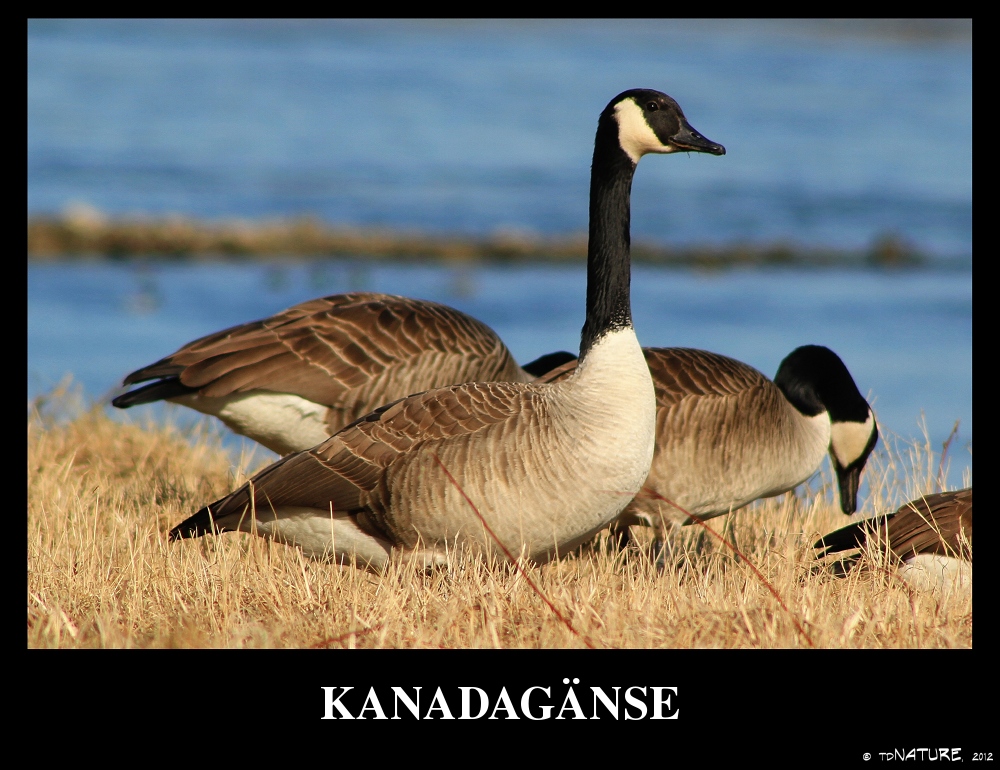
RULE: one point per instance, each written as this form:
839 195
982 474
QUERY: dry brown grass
101 574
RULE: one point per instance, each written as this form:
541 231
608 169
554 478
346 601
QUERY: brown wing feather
681 372
933 524
936 524
341 351
347 471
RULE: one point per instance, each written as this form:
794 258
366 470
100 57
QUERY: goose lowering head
726 435
525 469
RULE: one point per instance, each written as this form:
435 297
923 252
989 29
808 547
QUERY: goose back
292 380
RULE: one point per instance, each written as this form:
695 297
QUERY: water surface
836 133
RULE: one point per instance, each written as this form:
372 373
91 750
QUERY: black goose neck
608 249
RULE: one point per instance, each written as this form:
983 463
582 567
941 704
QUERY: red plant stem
511 558
944 453
734 549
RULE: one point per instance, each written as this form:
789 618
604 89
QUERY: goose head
635 123
815 380
648 121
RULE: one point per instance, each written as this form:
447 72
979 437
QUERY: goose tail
160 390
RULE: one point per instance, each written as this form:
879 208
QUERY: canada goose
726 435
930 538
543 466
294 379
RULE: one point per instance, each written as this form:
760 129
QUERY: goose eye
652 106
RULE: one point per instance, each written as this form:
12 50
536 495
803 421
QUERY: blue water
833 139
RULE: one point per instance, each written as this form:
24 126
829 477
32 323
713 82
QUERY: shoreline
89 234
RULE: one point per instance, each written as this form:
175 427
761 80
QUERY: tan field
101 573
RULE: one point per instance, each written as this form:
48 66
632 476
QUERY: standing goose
294 379
546 466
726 435
930 538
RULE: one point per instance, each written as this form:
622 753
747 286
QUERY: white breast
612 400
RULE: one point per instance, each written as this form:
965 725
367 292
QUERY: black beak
689 139
849 480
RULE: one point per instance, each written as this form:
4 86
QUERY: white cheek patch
849 439
634 133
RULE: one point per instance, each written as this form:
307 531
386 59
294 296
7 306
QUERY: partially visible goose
294 379
930 539
726 435
546 465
